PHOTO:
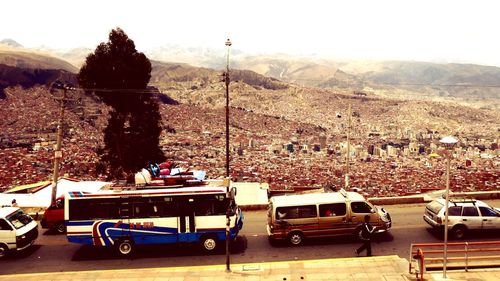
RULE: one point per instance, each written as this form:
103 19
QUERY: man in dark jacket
366 235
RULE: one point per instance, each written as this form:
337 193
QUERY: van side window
296 212
360 207
331 210
4 225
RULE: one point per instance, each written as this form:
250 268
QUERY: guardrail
430 256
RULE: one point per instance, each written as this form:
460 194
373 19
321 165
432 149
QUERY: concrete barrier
397 200
424 198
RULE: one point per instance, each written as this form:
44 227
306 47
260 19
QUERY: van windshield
19 219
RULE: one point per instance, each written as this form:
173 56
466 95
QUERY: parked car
53 217
18 230
464 215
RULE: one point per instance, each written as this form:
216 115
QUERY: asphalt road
52 252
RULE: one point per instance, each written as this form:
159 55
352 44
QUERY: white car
464 215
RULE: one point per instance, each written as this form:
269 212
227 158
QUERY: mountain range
467 84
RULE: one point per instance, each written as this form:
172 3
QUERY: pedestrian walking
14 203
366 235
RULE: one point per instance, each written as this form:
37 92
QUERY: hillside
19 57
266 115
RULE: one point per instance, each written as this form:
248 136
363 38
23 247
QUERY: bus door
125 212
186 223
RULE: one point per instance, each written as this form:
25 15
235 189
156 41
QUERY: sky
418 30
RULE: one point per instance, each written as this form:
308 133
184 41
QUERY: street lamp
228 219
448 142
349 123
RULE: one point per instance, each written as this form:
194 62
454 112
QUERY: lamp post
449 142
349 122
228 219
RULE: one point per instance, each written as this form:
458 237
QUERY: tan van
295 217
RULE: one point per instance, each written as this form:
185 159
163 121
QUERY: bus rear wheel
209 243
125 247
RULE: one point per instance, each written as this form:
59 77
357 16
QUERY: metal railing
430 256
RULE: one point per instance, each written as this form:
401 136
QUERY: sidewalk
386 268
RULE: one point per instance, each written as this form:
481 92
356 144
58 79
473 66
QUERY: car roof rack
462 199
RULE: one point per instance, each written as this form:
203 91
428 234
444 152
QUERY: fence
430 256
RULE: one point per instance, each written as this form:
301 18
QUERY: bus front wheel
125 247
209 243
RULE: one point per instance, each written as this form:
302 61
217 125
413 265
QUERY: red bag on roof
166 165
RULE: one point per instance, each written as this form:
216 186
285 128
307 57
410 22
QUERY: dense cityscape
289 155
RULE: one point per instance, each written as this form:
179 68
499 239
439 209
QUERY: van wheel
295 238
125 247
458 232
60 227
3 251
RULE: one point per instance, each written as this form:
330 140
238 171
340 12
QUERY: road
52 252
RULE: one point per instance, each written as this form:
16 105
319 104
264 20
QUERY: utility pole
57 151
228 193
349 114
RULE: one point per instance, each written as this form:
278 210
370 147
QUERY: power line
291 80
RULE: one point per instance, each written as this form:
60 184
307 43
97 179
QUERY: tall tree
119 75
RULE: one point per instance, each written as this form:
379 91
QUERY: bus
126 219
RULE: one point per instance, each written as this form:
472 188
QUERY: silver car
464 215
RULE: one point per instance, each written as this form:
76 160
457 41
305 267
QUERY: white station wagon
464 215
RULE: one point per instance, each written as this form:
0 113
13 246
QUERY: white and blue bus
125 219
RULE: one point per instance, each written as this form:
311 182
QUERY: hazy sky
428 30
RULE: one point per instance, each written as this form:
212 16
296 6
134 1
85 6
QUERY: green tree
118 75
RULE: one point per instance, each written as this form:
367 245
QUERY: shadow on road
239 245
476 235
19 255
377 238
